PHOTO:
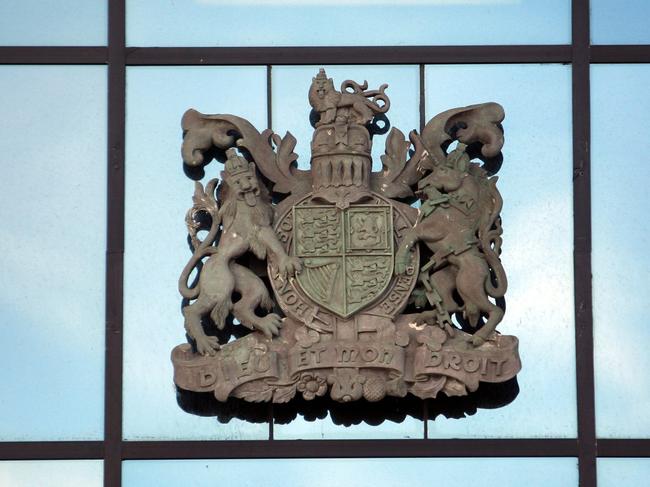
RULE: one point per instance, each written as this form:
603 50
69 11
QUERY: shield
347 254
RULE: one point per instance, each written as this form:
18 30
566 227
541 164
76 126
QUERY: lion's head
242 194
243 184
322 94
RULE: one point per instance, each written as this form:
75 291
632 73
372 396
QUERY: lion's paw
207 345
477 340
289 266
269 325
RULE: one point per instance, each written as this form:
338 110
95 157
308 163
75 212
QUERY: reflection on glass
291 111
616 472
157 196
347 23
52 252
620 262
536 184
619 22
51 473
53 22
361 472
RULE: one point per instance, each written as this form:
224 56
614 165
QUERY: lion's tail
203 201
490 240
184 288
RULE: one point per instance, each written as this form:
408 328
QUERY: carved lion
245 216
353 107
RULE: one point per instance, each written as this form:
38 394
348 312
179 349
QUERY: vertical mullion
269 125
422 110
582 244
115 245
422 106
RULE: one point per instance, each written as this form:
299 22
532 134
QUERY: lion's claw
207 345
269 325
477 340
289 266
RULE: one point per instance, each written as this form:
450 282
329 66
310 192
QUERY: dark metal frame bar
113 450
115 244
582 245
225 56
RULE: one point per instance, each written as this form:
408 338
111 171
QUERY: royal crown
235 164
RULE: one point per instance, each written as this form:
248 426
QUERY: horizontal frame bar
53 55
196 56
52 450
623 448
165 450
157 56
159 450
620 54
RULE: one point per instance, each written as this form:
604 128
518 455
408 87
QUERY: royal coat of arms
355 283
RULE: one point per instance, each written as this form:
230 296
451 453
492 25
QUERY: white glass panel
621 238
347 22
536 184
291 113
157 196
53 22
52 252
51 473
618 472
360 472
620 21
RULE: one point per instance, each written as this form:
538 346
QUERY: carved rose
312 385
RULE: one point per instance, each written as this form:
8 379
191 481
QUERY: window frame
586 447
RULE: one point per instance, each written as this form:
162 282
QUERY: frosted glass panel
620 21
157 196
52 252
291 112
55 473
347 23
616 472
620 262
53 22
536 184
360 472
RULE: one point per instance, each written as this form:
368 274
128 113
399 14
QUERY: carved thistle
348 288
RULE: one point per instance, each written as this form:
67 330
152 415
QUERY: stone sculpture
359 308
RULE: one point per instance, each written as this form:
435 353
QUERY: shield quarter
347 254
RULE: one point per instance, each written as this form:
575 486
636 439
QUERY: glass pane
291 113
52 253
347 23
621 266
157 196
536 184
620 21
614 472
360 472
53 22
54 473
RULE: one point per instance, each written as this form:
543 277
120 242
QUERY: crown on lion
235 164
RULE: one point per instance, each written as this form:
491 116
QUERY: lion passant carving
346 285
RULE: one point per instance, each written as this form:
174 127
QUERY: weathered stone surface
343 257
